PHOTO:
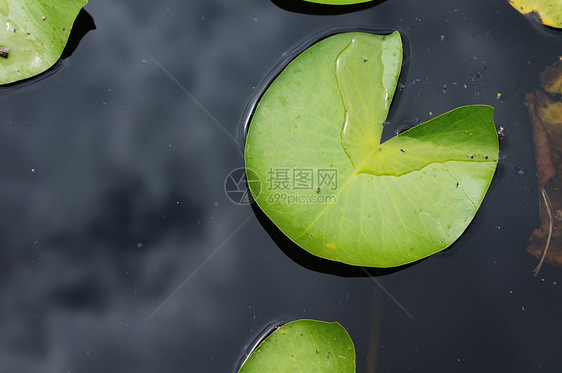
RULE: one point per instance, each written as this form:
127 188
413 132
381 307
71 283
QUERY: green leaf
330 185
549 12
33 35
338 2
304 346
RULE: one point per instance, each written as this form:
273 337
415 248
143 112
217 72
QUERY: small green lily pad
33 35
304 346
338 2
329 183
549 12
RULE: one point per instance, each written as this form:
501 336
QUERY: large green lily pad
33 35
549 12
329 183
304 346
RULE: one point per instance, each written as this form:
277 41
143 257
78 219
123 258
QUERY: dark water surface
121 251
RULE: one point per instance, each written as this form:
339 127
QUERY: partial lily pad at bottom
548 12
336 190
33 35
304 346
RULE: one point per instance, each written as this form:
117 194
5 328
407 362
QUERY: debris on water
442 37
519 171
501 133
550 226
405 124
498 96
4 52
400 86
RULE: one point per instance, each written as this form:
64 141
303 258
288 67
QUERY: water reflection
258 339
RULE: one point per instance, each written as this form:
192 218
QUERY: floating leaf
548 12
34 34
304 346
545 110
338 2
334 189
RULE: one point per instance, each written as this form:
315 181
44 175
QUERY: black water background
112 195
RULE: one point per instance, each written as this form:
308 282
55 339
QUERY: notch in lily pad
304 346
336 190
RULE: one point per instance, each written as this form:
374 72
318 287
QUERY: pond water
121 251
